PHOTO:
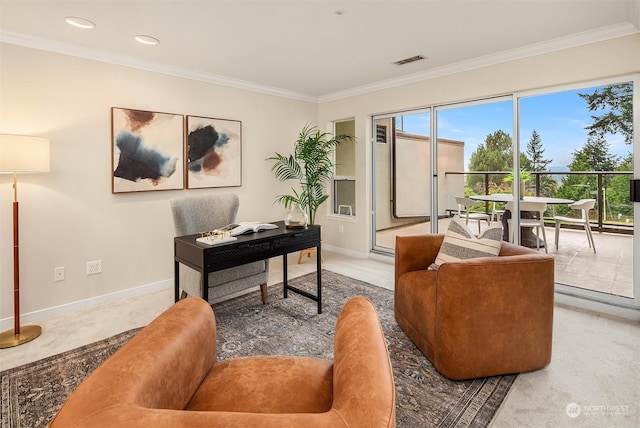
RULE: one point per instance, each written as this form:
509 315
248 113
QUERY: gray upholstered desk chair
195 214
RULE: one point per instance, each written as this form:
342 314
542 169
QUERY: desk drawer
242 250
308 236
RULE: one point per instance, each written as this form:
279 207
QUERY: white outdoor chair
537 210
496 214
584 205
463 211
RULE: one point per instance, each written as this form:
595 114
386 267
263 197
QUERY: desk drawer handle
243 246
297 235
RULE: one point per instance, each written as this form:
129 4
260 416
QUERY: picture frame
213 152
147 150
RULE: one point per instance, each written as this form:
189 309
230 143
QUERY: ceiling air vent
408 60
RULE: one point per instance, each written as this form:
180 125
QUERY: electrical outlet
94 267
58 274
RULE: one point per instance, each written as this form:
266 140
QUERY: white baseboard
43 314
345 252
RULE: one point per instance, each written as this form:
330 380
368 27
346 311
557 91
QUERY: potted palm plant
525 176
311 164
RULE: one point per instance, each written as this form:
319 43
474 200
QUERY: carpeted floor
31 394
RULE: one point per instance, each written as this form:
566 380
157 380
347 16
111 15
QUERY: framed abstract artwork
147 150
214 152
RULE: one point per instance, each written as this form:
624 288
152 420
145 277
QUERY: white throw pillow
460 243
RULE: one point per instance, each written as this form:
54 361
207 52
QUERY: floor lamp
20 154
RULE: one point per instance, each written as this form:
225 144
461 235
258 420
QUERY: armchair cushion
461 244
309 380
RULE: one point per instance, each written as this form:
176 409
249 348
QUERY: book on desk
229 232
243 227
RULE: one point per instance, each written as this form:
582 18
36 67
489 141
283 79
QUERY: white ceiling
307 49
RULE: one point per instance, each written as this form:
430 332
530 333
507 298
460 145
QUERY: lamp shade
21 153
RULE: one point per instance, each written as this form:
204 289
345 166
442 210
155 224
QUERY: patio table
527 237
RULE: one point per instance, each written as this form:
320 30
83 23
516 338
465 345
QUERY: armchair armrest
363 386
416 252
160 367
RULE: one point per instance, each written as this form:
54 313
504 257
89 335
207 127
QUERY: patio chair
534 219
496 214
464 204
584 205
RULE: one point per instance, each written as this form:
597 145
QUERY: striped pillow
460 243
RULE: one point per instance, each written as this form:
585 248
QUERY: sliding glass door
572 147
402 195
578 145
475 153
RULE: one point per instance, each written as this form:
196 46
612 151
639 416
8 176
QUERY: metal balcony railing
602 221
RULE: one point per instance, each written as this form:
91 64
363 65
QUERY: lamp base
9 339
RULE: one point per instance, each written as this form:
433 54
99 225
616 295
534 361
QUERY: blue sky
559 119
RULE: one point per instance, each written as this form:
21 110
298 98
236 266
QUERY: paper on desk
209 241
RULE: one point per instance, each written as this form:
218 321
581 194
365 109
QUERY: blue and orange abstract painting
214 152
148 150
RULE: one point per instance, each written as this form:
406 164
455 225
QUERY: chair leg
537 238
308 252
557 233
592 244
263 293
511 230
544 238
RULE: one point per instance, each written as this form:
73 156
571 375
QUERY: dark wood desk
248 248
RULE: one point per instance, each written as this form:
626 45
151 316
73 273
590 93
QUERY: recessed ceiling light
147 40
85 24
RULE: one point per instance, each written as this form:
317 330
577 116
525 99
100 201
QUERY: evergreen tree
616 103
537 163
535 153
593 156
618 192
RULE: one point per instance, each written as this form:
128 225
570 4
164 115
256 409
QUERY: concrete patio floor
609 270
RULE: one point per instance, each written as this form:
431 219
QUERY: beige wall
413 183
601 60
69 216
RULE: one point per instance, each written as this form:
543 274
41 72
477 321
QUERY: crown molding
127 61
579 39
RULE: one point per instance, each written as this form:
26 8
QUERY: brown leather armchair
167 376
477 317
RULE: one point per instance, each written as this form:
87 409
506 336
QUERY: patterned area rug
31 394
